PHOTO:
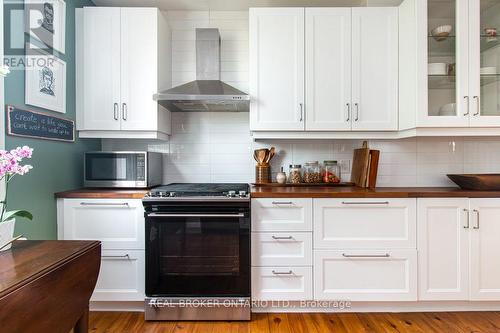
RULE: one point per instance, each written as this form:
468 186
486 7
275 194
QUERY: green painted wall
57 166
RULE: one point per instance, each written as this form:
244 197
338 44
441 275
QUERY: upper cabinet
348 79
122 60
462 52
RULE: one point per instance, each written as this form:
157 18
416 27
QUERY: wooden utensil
360 162
271 154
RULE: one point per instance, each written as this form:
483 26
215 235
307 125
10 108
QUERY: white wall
217 147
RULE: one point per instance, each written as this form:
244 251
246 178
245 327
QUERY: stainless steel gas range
198 252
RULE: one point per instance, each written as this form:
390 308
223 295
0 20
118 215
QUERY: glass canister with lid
331 172
295 174
312 172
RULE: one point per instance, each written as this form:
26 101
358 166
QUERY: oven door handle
195 215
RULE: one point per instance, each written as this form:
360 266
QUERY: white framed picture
45 21
45 80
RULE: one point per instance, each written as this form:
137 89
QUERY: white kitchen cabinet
281 249
122 60
458 249
288 214
484 249
117 223
364 223
277 69
443 248
282 283
375 69
121 276
328 68
365 275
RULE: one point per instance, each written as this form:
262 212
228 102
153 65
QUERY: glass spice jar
295 174
312 172
331 172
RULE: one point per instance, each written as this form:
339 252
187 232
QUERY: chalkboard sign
39 125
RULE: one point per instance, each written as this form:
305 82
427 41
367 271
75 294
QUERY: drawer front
118 224
281 215
362 275
364 223
281 249
282 283
121 277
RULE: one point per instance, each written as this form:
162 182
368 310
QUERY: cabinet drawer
281 249
118 224
363 275
281 215
121 277
364 223
282 283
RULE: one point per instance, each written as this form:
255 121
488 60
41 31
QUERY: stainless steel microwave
122 169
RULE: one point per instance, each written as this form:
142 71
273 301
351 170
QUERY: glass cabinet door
484 21
447 70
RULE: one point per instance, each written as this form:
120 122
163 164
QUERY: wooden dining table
45 286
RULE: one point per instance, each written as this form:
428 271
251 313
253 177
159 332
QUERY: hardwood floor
445 322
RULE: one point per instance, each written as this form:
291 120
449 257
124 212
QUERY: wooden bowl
477 182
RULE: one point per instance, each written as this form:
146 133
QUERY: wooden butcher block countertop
358 192
96 193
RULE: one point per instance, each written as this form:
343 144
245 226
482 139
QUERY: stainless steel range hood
208 92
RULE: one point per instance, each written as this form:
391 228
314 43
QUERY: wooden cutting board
360 161
371 180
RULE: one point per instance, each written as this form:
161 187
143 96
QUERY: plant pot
6 233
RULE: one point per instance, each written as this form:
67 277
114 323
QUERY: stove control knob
171 194
231 193
243 193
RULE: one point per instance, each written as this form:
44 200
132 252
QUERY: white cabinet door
365 275
118 224
282 283
443 248
101 63
375 68
121 277
364 223
485 249
139 70
281 249
328 68
281 215
277 69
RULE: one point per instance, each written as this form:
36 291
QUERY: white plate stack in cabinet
365 249
119 225
282 249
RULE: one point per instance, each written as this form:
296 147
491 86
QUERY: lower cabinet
121 277
282 283
365 275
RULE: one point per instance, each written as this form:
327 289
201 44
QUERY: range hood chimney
207 92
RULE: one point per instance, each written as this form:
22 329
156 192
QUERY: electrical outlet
345 166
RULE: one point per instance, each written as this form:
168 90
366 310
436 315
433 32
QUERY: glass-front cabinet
463 64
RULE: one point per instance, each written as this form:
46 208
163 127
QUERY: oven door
198 254
114 169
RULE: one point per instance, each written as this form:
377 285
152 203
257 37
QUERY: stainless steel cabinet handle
466 226
386 255
301 112
477 219
120 204
195 215
468 106
348 117
282 203
124 111
365 203
478 105
356 105
115 111
125 256
281 237
282 273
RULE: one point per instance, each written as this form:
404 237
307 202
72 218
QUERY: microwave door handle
194 215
